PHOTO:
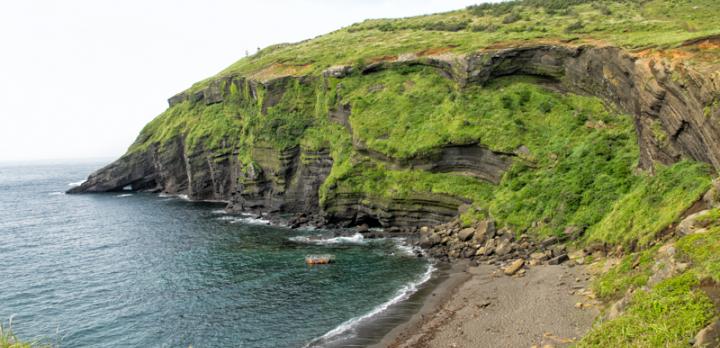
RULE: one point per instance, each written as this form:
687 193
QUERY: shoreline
438 295
478 306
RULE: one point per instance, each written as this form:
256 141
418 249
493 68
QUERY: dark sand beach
478 306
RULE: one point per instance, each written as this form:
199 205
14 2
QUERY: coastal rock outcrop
282 180
350 209
470 159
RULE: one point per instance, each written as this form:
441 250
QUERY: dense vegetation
666 316
673 310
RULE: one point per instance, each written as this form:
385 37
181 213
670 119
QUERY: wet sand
481 307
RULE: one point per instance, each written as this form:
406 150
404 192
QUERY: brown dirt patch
383 59
435 51
280 70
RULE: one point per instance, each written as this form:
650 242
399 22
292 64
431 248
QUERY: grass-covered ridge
630 24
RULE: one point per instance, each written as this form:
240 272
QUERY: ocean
146 270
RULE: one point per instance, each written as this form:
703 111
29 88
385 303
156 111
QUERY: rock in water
514 267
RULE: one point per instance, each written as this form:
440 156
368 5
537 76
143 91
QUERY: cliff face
669 104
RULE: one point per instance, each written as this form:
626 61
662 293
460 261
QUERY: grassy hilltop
632 24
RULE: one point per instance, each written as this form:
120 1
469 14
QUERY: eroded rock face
416 209
671 103
472 160
151 170
286 181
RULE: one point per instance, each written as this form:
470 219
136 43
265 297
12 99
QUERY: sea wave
244 220
348 327
404 248
357 238
170 196
124 195
56 193
219 211
78 183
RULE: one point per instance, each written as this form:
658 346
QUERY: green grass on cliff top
630 24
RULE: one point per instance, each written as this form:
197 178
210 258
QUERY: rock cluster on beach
484 242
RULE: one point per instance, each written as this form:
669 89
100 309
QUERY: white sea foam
406 249
244 220
77 183
357 238
124 195
219 211
252 221
348 327
184 197
56 193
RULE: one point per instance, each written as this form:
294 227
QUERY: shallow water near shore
132 269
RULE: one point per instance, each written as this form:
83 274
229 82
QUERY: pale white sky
80 78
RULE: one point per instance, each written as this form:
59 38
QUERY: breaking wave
357 238
244 220
348 327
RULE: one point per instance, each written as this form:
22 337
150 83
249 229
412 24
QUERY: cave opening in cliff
370 221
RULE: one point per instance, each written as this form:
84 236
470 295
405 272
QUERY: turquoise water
141 270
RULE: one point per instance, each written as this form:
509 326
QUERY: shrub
507 102
488 28
524 97
603 8
446 26
511 18
546 106
574 27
